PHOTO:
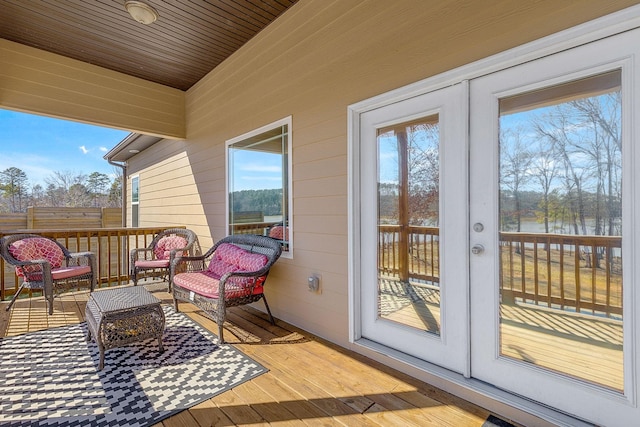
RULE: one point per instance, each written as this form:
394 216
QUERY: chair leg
220 332
15 296
264 298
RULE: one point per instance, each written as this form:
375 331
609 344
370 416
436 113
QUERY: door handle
477 249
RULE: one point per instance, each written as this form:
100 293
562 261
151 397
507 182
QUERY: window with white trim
135 201
259 183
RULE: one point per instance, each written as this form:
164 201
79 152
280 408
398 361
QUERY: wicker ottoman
116 317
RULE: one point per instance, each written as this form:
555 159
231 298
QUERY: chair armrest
135 254
78 257
187 264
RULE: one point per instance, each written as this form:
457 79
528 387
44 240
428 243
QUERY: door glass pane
561 229
408 221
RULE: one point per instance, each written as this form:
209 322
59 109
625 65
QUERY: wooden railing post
30 217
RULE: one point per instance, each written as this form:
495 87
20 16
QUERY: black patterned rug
50 378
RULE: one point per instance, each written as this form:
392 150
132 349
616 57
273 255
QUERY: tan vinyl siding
168 194
35 81
314 61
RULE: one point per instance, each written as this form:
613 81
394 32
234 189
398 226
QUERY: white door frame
561 391
615 23
450 348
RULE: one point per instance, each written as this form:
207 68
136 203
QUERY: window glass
409 224
258 166
561 226
135 201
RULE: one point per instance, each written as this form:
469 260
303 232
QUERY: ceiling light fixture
141 12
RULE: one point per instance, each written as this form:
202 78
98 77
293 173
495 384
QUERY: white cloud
104 149
83 149
253 167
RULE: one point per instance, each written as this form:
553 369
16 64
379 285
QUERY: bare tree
515 161
423 173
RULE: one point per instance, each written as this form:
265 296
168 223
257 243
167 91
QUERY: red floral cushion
34 248
204 283
234 255
219 268
279 232
227 258
166 244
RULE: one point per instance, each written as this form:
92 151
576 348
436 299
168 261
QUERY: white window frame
289 181
135 217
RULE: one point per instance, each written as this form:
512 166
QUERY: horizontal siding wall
168 194
39 82
312 63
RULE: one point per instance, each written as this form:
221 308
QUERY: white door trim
606 26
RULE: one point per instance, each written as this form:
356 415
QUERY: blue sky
40 146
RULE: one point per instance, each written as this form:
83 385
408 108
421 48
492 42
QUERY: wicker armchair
164 247
231 273
44 264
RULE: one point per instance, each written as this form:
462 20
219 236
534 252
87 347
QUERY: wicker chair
164 247
231 273
44 264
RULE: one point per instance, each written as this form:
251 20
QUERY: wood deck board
310 382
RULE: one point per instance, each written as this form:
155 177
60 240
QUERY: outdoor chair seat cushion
59 273
206 283
36 248
228 258
166 244
67 272
153 263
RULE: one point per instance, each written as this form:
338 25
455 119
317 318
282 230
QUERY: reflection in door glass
561 227
408 224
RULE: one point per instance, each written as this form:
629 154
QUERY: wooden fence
61 218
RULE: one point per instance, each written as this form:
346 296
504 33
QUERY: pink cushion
231 254
166 244
219 268
278 232
66 272
204 283
228 258
155 263
36 248
33 248
35 274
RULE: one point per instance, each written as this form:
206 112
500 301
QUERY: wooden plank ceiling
189 39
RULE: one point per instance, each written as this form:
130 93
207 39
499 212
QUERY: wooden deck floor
310 381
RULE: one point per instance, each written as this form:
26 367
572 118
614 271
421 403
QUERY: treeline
571 155
269 202
61 189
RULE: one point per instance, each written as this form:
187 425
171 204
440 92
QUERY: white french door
552 183
413 211
497 233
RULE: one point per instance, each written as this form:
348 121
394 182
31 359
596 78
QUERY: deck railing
420 260
577 273
568 272
111 246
